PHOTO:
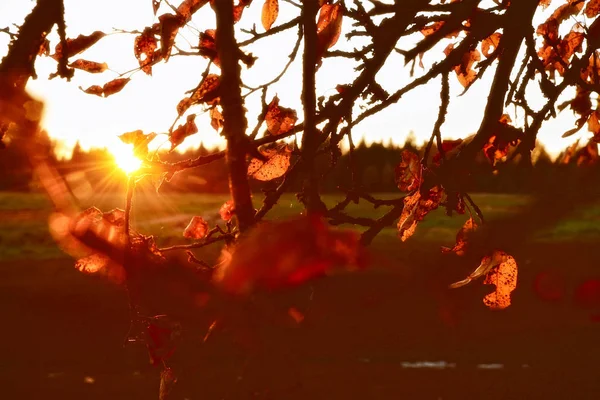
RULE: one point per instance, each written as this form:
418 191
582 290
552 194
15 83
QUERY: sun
124 157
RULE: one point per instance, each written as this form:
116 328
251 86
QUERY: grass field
387 333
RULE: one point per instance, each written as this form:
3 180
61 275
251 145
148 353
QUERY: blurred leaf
408 172
196 229
462 238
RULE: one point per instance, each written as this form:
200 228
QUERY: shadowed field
394 331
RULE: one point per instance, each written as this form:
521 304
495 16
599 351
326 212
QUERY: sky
148 102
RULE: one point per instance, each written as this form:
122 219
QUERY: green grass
24 218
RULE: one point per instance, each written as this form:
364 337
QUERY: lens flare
124 157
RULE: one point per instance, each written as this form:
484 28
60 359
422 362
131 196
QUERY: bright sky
148 102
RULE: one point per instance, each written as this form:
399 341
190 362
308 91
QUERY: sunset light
124 157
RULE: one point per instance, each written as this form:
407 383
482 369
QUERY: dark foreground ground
392 332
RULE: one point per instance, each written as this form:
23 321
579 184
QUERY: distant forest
373 165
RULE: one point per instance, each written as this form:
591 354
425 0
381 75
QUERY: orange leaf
169 25
408 172
461 238
504 277
89 66
464 71
183 130
188 7
139 141
329 27
155 5
279 119
415 209
207 46
432 27
94 89
196 229
270 11
144 49
592 9
299 250
594 123
216 119
278 161
77 45
208 92
490 44
114 86
227 210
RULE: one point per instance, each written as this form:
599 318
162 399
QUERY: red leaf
462 238
329 27
299 249
207 46
89 66
207 92
415 209
408 172
187 8
155 5
278 161
94 89
77 45
592 8
270 11
216 119
196 229
169 25
279 119
183 130
144 49
227 210
114 86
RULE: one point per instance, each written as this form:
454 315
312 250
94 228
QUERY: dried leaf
415 209
208 92
490 44
329 27
592 8
114 86
183 130
462 238
77 45
278 161
94 89
593 123
156 5
464 71
196 229
216 119
279 119
270 11
167 381
89 66
504 277
545 3
299 249
144 49
169 26
207 46
432 27
408 172
187 8
139 140
499 143
227 210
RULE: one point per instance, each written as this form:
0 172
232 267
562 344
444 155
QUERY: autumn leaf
207 92
278 161
299 250
77 45
588 155
593 124
269 14
183 130
592 8
279 119
227 210
432 27
504 277
461 238
216 119
156 5
500 269
464 71
329 27
139 140
144 49
109 88
196 229
187 8
416 207
545 3
490 44
503 138
408 172
89 66
207 47
44 49
449 147
169 25
167 381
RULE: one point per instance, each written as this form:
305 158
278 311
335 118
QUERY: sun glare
124 157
